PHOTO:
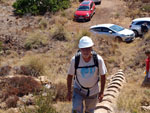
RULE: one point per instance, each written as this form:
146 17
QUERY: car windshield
83 8
116 28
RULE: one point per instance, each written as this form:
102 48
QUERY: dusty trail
105 13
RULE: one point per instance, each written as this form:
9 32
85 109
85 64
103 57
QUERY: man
147 53
144 29
86 78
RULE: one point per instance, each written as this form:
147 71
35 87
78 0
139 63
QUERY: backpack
77 60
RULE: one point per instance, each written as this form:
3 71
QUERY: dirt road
110 11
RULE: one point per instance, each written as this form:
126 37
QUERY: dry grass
62 107
43 24
36 40
36 64
55 62
133 13
137 8
58 32
15 87
133 96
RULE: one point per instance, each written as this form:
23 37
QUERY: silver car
136 25
114 31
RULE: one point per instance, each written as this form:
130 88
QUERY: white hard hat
85 42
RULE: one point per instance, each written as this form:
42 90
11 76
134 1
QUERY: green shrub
36 7
43 104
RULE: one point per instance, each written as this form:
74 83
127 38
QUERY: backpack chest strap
87 66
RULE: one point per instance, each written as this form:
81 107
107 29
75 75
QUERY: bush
36 7
1 46
60 33
43 104
15 87
146 8
36 66
60 92
21 86
35 40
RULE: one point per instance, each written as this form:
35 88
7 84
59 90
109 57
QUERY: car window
116 28
103 29
140 23
148 23
97 29
83 8
91 5
85 2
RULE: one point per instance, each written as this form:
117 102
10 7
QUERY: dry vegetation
49 47
138 8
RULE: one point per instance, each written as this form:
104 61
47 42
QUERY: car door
107 32
148 23
138 26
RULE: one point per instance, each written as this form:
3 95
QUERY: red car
85 11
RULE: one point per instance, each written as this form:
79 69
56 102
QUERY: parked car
97 2
114 31
136 25
85 11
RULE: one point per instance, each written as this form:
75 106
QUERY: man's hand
69 96
100 97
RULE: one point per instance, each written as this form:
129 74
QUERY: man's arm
101 94
69 85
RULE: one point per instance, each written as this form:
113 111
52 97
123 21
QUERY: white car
115 31
136 25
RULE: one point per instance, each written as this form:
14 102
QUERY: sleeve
102 66
71 70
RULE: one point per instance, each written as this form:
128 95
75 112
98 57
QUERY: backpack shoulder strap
95 58
77 59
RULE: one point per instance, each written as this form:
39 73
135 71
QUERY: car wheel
136 33
118 39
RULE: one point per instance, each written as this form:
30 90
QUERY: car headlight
75 15
87 15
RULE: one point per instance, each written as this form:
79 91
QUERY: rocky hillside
43 45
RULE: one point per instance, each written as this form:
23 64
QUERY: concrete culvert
111 93
119 73
104 105
114 86
108 100
117 79
116 82
119 76
112 90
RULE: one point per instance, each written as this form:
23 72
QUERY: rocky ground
14 30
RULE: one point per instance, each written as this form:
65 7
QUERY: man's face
86 52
